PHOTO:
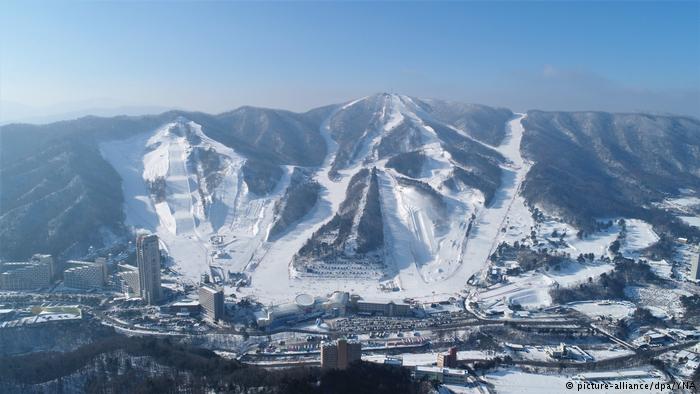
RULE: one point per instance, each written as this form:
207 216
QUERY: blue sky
217 56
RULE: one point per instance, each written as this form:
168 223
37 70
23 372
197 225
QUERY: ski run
215 224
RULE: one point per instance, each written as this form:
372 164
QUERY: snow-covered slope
401 197
189 189
425 222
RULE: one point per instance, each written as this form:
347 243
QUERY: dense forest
119 364
589 165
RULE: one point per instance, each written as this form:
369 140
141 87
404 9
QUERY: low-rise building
557 352
656 338
394 360
612 375
187 307
305 307
515 347
682 335
384 308
276 315
444 307
39 315
336 303
442 375
285 314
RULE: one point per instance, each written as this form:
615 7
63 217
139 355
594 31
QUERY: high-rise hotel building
148 262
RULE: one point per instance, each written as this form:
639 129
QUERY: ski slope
422 258
490 220
190 212
224 225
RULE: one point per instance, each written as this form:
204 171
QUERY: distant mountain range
12 112
355 180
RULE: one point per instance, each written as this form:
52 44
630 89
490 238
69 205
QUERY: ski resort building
384 308
336 304
38 272
305 307
291 313
557 352
185 308
655 338
148 262
48 260
212 301
85 274
442 375
130 283
340 354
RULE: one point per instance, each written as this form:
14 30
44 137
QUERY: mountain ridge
448 146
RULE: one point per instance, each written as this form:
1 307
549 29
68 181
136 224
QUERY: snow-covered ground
691 220
423 234
603 354
427 359
660 301
683 203
530 291
426 248
518 223
419 232
452 271
661 268
515 381
508 381
486 233
686 207
596 243
455 389
640 235
574 273
613 309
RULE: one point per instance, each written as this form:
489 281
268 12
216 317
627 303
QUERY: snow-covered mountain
395 178
388 188
413 185
195 193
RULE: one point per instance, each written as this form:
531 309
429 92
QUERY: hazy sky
217 56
